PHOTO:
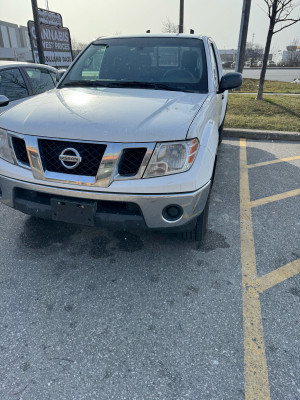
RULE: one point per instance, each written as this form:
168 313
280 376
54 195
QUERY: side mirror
3 100
230 81
59 74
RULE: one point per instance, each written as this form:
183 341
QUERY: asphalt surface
272 74
94 314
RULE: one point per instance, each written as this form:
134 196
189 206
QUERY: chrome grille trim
108 168
34 156
16 161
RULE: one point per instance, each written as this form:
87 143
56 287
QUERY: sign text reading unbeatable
50 17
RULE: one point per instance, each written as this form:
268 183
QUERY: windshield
151 63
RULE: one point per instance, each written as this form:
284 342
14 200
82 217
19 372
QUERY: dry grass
280 113
251 85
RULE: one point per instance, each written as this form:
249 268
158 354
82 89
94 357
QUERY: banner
56 44
50 17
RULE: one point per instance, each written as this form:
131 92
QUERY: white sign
50 18
56 44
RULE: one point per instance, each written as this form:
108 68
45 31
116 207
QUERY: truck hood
106 114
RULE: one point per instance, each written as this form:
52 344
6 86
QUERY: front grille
91 154
131 161
20 150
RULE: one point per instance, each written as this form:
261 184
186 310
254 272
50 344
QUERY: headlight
5 149
172 158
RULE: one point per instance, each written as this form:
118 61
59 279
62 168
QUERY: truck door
216 81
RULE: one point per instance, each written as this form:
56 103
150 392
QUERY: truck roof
154 35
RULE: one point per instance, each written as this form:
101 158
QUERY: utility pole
240 59
181 13
37 31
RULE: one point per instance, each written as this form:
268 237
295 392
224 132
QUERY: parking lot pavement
90 313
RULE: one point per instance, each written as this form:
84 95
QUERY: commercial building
14 42
289 58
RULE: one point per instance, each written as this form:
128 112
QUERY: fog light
172 212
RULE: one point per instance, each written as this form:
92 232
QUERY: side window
53 76
12 84
40 79
215 71
219 61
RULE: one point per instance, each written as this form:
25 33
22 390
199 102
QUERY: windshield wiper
126 84
142 85
85 83
162 86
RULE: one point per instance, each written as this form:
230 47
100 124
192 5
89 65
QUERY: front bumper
34 199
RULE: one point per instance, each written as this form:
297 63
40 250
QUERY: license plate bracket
74 211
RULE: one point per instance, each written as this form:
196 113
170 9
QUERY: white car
19 80
128 138
296 80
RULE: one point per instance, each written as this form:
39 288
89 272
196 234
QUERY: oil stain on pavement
39 234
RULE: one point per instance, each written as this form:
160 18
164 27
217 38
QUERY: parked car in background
227 64
19 80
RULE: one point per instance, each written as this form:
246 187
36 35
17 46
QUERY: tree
77 47
169 27
254 52
279 13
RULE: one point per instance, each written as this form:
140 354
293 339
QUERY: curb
261 134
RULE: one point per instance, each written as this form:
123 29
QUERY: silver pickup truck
128 137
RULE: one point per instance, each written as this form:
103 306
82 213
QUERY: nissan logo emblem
70 158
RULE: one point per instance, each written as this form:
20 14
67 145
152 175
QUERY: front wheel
221 127
198 233
221 132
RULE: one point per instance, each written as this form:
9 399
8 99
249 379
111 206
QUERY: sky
219 19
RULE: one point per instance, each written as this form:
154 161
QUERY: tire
221 131
198 233
214 171
221 128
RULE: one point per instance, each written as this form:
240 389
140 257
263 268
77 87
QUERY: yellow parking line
276 197
273 162
278 275
256 370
